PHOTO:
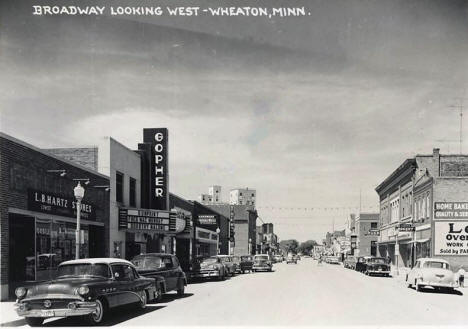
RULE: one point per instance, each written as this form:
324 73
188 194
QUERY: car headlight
20 292
83 290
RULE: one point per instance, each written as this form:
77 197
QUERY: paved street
302 294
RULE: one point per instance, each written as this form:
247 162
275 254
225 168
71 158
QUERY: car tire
144 300
243 271
180 288
159 291
98 317
34 322
417 286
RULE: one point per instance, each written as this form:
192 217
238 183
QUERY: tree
307 246
289 245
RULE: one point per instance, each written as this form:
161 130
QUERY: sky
312 111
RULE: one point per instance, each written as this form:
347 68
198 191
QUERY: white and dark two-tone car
85 287
432 272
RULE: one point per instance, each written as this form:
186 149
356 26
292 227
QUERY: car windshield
100 270
235 259
225 259
148 262
208 261
246 258
261 257
377 261
436 265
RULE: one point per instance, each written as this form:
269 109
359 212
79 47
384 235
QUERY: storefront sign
54 204
373 231
451 238
183 219
406 227
159 171
207 219
451 210
155 221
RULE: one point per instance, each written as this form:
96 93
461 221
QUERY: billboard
451 210
451 238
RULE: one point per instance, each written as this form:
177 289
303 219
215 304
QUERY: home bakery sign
451 210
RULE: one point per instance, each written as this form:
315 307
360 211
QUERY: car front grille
55 303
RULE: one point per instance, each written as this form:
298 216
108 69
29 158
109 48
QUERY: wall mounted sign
55 204
159 168
406 227
156 221
373 231
451 238
451 210
207 219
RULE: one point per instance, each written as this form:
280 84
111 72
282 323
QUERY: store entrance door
21 263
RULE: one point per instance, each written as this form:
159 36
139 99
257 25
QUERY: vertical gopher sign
159 169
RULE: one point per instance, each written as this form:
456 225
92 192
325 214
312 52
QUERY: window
167 262
119 179
123 272
373 225
240 193
428 206
132 192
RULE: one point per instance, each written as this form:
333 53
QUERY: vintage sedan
350 262
165 268
246 263
371 265
333 260
85 287
431 272
291 259
262 263
237 263
230 265
208 267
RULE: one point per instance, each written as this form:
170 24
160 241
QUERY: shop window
373 225
119 181
132 192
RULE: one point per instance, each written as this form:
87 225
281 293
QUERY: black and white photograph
234 163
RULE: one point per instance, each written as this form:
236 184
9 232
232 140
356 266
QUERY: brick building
421 202
367 232
38 213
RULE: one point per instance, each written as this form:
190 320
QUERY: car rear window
148 262
71 270
433 264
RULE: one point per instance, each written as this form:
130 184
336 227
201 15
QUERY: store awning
420 240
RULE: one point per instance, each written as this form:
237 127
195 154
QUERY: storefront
207 241
38 215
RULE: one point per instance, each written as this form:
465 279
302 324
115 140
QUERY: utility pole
460 108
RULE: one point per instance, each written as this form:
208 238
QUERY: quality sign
451 238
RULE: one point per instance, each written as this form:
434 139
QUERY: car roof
432 260
159 254
96 261
261 255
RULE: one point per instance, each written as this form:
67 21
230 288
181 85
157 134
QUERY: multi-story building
242 196
367 233
423 209
213 196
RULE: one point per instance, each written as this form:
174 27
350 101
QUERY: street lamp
79 194
217 239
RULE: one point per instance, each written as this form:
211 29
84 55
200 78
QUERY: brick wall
85 156
24 166
455 165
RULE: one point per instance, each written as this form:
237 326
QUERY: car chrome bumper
261 267
378 272
205 274
438 284
74 309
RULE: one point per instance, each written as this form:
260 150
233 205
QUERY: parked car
237 263
165 268
246 263
229 264
371 265
350 262
208 267
291 259
262 262
333 260
278 258
431 272
85 287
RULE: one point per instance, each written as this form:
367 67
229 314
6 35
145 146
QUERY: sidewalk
8 316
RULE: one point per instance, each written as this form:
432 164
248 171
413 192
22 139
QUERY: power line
460 108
